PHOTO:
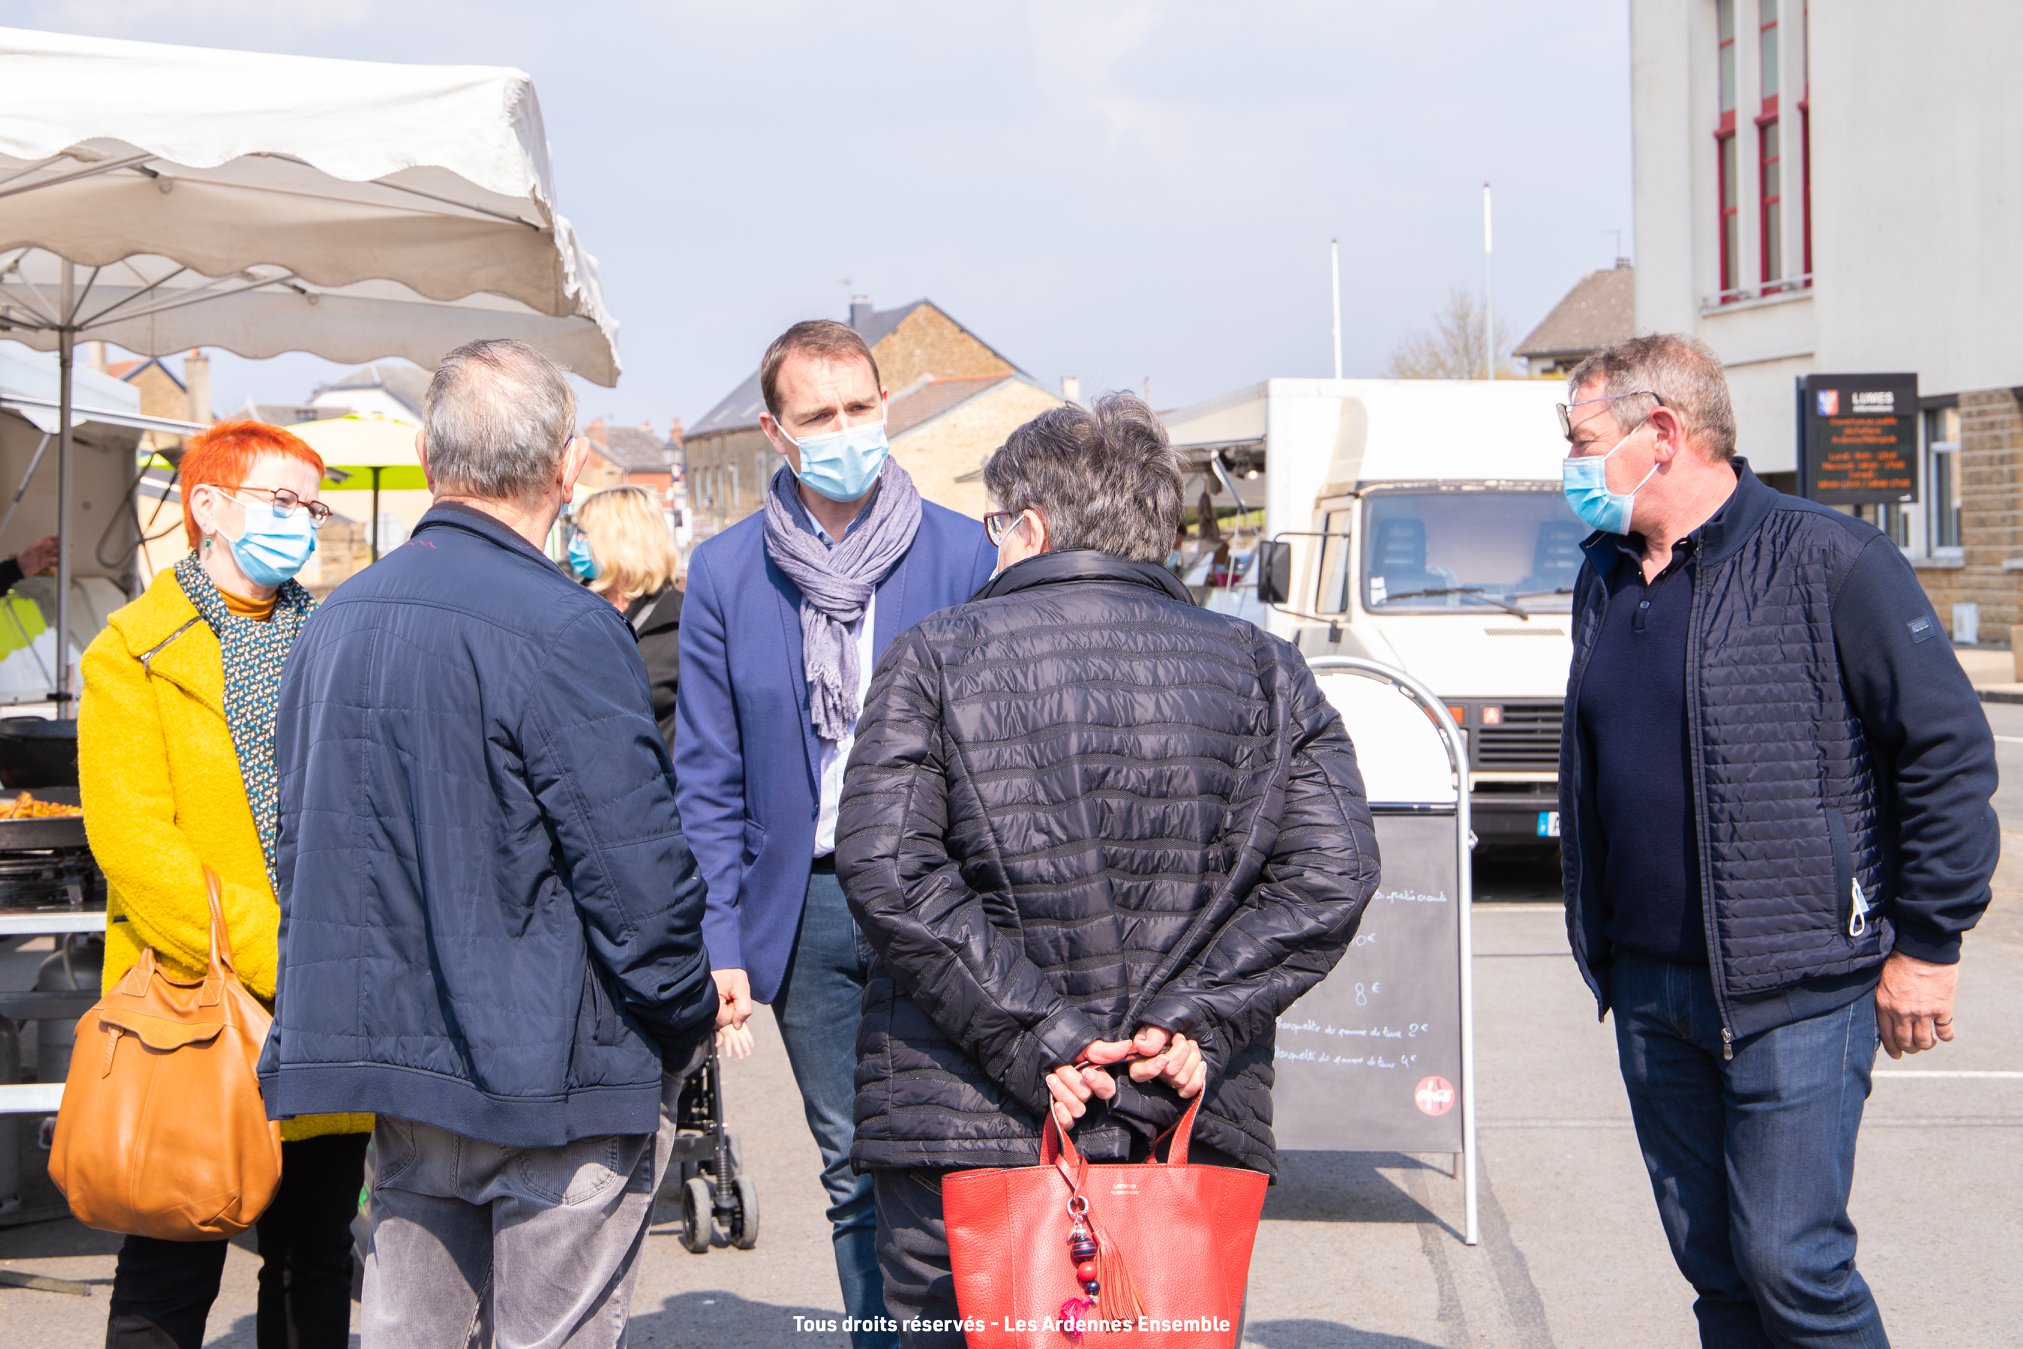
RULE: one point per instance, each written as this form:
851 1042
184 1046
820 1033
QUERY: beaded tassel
1083 1249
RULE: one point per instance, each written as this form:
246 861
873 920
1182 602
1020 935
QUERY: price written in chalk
1322 1059
1412 1030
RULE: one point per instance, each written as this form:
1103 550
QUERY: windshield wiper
1466 592
1537 594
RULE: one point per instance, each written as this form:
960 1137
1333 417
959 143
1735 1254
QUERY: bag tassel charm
1083 1250
1097 1265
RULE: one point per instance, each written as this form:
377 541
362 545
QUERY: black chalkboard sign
1370 1059
1858 438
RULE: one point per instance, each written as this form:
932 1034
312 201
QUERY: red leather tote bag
1145 1255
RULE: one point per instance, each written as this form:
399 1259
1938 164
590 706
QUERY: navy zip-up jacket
490 921
1840 766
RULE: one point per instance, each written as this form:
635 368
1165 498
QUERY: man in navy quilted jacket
491 926
1775 787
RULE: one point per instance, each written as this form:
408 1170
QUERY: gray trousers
532 1248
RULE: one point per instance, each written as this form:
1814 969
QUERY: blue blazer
745 752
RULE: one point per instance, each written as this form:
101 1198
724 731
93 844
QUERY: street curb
2009 695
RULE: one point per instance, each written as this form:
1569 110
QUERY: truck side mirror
1274 571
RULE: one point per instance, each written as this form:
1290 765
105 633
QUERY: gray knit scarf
836 584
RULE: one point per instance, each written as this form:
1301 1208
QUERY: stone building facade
944 448
1986 570
922 354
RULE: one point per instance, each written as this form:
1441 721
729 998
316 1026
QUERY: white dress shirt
836 753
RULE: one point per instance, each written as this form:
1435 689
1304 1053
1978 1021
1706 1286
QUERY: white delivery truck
1415 522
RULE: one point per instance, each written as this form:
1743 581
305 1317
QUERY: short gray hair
1105 478
498 416
1679 369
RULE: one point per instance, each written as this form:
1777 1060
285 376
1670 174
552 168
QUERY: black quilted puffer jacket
1079 805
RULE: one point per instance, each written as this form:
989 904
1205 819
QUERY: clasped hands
1161 1056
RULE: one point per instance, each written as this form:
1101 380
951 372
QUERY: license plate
1548 824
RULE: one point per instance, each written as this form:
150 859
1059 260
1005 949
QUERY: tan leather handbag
162 1132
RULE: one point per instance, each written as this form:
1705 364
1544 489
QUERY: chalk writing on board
1411 1030
1322 1059
1411 897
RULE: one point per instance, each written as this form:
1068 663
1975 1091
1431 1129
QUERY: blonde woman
623 551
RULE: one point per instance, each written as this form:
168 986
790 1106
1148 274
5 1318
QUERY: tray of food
48 817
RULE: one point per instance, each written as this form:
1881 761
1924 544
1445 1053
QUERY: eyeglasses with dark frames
1565 410
286 502
998 524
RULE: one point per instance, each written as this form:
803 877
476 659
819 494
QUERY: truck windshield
1430 552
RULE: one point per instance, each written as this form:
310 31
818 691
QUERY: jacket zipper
1700 810
147 657
1571 826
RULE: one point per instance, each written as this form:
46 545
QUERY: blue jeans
818 1008
1752 1158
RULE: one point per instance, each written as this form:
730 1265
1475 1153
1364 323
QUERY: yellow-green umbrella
365 452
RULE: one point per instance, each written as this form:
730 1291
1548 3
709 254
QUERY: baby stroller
702 1173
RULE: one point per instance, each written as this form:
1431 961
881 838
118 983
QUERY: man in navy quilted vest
1774 783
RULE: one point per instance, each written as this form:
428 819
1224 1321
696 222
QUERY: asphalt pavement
1363 1251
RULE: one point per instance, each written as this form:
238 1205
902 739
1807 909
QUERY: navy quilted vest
1791 816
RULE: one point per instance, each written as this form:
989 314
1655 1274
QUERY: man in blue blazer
787 612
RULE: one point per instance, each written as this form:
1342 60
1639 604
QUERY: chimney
1071 389
197 384
94 356
676 432
860 312
594 432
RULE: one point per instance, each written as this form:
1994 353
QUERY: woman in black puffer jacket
1083 814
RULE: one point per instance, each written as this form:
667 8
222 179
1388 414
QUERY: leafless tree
1450 347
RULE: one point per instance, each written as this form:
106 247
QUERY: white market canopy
266 204
163 197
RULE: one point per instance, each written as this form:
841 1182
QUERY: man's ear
776 436
1667 434
421 453
574 460
1042 532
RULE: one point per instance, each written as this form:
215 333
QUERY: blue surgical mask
1585 480
273 547
842 465
580 561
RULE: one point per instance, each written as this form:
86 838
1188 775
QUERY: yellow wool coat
163 799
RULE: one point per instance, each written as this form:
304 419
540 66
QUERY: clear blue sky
1113 190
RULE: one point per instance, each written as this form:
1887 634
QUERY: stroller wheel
745 1222
697 1224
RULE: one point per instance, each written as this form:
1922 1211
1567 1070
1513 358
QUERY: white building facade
1836 186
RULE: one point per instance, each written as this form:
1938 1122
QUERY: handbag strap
1058 1150
221 938
1181 1133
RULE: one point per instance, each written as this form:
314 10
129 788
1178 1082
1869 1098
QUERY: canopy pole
66 351
375 512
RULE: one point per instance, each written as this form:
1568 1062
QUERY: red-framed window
1805 134
1770 212
1769 150
1729 221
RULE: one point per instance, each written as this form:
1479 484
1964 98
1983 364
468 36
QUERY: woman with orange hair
176 767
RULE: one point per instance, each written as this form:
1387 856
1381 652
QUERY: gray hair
1104 478
1681 370
498 416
